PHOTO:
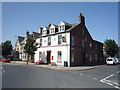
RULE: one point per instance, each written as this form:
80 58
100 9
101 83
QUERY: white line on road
87 76
108 76
81 74
113 84
2 72
118 71
94 78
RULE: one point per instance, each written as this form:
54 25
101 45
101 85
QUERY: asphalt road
26 76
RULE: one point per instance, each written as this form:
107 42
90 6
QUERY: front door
48 56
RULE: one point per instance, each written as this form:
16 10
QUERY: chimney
81 18
27 32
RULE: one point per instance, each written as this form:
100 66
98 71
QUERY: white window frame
59 58
72 40
59 39
49 41
40 55
41 41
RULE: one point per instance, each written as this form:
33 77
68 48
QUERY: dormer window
62 27
44 31
52 30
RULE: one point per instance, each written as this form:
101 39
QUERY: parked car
118 60
5 59
111 61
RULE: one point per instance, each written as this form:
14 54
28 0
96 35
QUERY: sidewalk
57 67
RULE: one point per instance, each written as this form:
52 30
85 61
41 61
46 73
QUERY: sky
101 18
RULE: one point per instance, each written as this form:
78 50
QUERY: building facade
20 43
71 43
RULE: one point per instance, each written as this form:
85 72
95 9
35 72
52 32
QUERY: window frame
59 39
49 41
59 55
40 42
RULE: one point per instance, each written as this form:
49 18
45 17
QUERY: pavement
79 68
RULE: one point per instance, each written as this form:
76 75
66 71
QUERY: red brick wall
80 52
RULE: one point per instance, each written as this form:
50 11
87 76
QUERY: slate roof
36 34
20 39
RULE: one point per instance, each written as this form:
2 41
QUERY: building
71 43
20 43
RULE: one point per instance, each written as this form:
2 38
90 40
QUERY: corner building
71 43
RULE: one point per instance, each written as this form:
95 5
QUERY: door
84 58
48 56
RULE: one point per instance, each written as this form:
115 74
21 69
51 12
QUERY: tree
29 47
6 48
110 47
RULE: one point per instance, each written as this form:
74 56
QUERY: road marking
2 72
113 84
108 76
118 71
87 76
110 84
94 78
117 87
81 74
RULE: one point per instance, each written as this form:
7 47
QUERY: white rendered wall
54 48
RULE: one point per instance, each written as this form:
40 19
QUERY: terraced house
20 43
71 43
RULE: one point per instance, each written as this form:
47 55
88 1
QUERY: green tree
6 48
30 48
110 47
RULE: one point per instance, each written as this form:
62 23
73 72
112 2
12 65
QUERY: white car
111 61
118 60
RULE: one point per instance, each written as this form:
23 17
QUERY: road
27 76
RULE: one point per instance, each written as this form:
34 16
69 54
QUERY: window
101 48
90 57
59 39
62 27
64 39
25 56
72 57
83 32
90 44
72 40
40 42
83 43
40 55
59 55
96 56
86 55
96 46
44 32
85 39
51 30
49 41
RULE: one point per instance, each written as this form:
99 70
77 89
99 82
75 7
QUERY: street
26 76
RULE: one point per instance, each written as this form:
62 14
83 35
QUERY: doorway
48 57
